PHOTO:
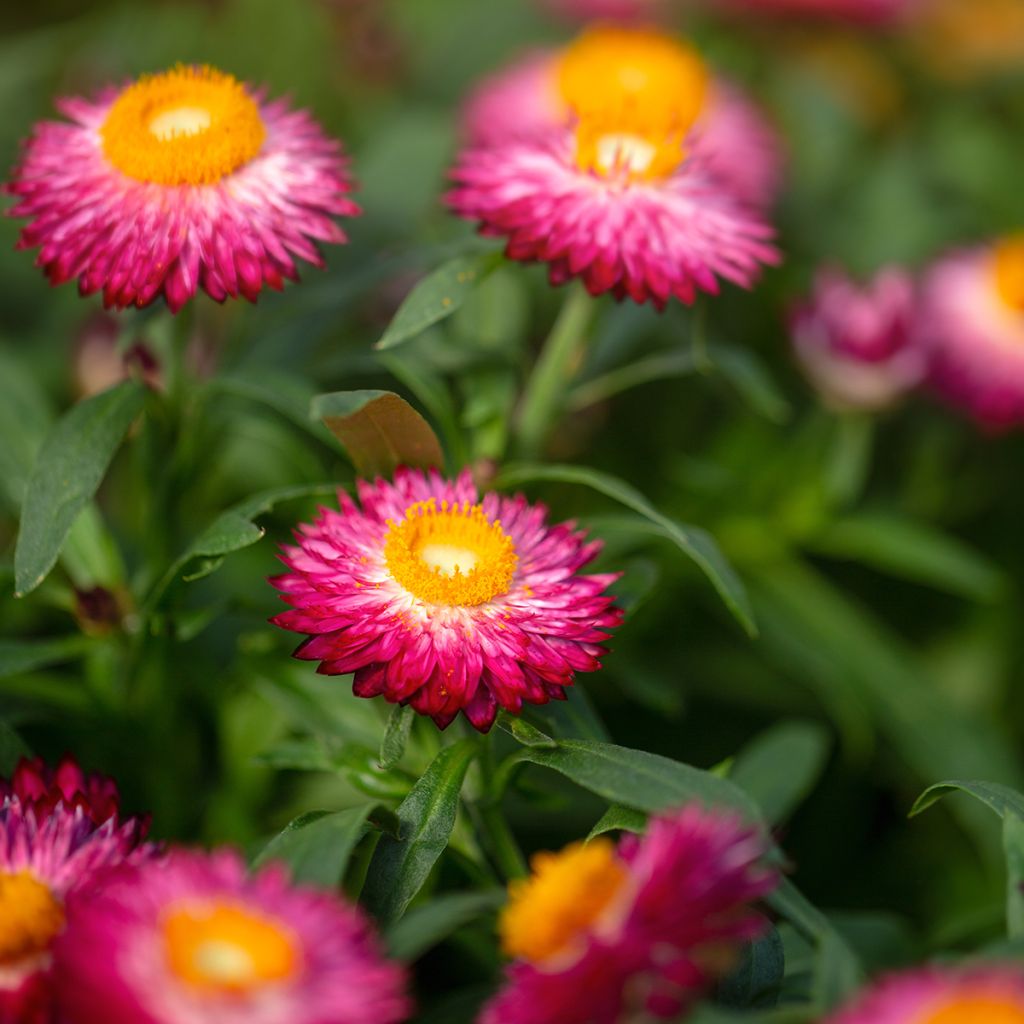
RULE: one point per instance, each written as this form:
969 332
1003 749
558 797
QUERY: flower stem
545 391
502 843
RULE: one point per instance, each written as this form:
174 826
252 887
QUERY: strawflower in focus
437 598
603 934
619 194
982 995
179 181
193 939
972 323
856 343
60 830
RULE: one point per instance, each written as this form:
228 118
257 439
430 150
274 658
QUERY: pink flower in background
59 833
972 323
982 995
601 934
435 597
622 194
193 939
868 11
180 181
857 343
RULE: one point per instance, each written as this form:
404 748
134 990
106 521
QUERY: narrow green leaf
1002 799
757 980
637 779
619 819
18 656
67 472
691 540
426 819
779 768
437 296
426 926
317 846
1013 847
12 748
710 1014
396 736
528 735
379 431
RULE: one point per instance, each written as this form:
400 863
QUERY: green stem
545 391
502 843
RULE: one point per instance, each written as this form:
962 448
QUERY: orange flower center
635 94
450 555
566 896
1009 271
222 947
31 917
187 126
980 1009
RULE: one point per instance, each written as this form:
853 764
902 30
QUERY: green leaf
379 431
426 819
758 978
1013 847
12 749
396 736
426 926
748 375
67 472
619 819
1002 799
317 846
913 551
779 768
691 540
17 656
528 735
709 1014
635 778
437 296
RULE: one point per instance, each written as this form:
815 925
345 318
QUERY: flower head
193 940
989 995
972 323
437 598
180 180
59 832
857 344
602 934
593 163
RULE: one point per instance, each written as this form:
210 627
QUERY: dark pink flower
437 598
179 181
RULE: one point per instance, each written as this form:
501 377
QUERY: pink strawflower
732 139
863 11
856 343
603 935
59 833
972 323
979 995
621 192
193 940
178 181
437 598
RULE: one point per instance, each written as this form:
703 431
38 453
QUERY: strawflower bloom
972 322
731 138
980 995
437 598
193 939
179 181
60 830
857 343
605 935
863 11
619 195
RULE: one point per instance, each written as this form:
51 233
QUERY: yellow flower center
1009 271
978 1010
450 555
566 896
221 947
187 126
30 917
635 94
